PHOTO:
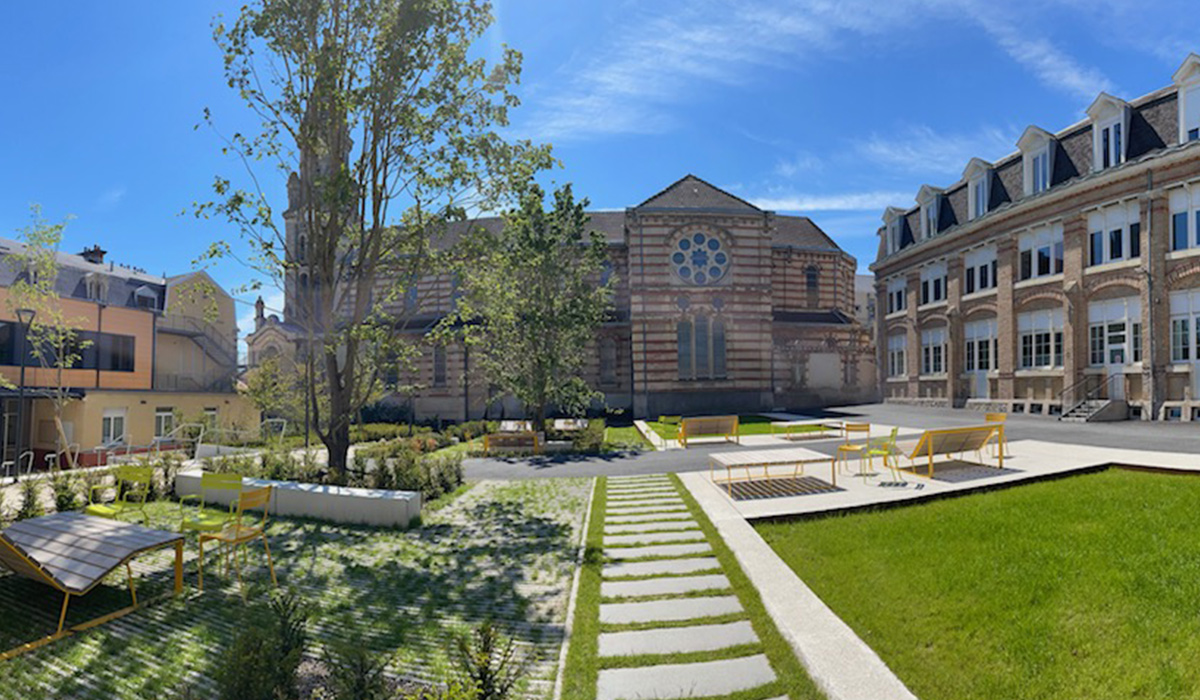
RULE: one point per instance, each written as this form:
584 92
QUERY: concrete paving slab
666 490
664 586
653 537
677 639
638 478
662 567
685 680
669 610
658 550
621 505
641 495
648 517
671 525
639 510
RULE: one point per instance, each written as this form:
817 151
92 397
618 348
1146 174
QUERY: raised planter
339 504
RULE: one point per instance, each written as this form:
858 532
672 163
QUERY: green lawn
627 438
1086 587
747 425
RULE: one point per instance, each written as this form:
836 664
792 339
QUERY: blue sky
830 109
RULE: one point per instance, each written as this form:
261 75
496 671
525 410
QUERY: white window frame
164 421
929 218
934 281
933 351
981 344
1185 308
1184 205
1115 133
109 421
897 295
979 270
1187 79
1123 219
978 195
1043 239
1105 316
1038 328
897 355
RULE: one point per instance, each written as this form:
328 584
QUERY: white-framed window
894 232
1115 331
1109 144
978 194
212 415
979 270
1185 325
933 283
1040 339
1185 217
929 218
164 421
981 345
1190 114
897 357
1040 172
1115 234
1040 252
933 350
897 292
112 426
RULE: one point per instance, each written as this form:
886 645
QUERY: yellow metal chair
197 517
132 484
238 532
844 452
886 448
1002 444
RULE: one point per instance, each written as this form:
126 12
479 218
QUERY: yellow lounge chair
132 484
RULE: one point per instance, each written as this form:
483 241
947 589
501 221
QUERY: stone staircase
1094 410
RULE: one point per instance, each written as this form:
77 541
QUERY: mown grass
747 425
1086 587
583 653
625 438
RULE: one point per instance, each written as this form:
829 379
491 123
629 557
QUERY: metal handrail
1062 395
1090 395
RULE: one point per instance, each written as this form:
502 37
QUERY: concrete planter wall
339 504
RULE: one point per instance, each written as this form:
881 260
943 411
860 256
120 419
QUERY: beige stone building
720 307
1061 279
156 351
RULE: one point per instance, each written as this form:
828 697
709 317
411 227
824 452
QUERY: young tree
52 341
390 123
532 301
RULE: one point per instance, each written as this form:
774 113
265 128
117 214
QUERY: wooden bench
528 441
951 441
709 426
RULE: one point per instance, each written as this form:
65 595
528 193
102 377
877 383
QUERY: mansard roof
691 192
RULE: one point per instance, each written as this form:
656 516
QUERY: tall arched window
812 281
701 348
608 361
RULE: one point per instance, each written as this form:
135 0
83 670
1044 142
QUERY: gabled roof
1187 71
974 167
1104 105
892 213
927 193
690 192
801 232
1032 137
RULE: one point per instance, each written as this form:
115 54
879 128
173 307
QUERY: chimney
95 254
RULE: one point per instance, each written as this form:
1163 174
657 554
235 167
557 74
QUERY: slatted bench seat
952 441
709 426
512 442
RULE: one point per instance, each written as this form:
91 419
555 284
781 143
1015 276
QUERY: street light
25 318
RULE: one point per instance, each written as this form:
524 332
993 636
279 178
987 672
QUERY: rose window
700 258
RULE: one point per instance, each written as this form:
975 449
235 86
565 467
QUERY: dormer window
1188 80
978 176
930 199
95 286
893 220
1110 128
1037 147
145 298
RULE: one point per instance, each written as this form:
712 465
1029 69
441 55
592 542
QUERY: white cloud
848 201
111 197
667 55
921 149
802 162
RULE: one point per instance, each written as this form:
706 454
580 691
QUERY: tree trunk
338 446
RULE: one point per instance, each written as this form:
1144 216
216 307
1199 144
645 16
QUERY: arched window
812 281
608 361
701 348
301 248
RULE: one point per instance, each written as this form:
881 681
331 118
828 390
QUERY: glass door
1116 359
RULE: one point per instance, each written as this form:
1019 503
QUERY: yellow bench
709 426
950 441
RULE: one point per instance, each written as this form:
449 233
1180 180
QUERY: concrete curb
569 623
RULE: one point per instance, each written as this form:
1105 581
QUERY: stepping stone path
663 593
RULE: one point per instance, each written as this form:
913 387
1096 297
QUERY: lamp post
25 318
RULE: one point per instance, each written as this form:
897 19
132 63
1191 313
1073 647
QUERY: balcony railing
194 381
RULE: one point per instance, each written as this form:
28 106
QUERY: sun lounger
951 441
73 552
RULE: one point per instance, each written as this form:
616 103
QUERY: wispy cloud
846 201
921 149
111 198
671 53
802 162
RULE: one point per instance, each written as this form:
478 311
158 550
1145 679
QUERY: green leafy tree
391 124
532 302
53 340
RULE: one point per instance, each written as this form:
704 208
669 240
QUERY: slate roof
801 232
691 192
123 282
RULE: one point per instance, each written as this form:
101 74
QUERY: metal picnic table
753 459
73 552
